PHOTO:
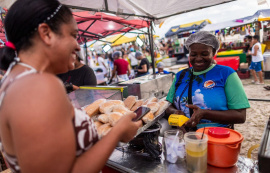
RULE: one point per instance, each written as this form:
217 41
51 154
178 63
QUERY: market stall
178 34
122 159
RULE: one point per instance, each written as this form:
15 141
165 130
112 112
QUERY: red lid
218 132
234 136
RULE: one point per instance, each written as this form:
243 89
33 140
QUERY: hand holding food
127 127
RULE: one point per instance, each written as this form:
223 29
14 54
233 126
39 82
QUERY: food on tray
162 107
145 102
93 108
137 104
95 117
106 113
152 99
114 118
104 129
148 117
154 106
107 107
130 101
98 124
104 118
121 109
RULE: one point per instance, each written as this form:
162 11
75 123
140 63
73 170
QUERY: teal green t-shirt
216 88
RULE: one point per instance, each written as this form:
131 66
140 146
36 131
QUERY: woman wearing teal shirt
209 94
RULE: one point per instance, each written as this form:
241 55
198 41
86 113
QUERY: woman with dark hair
39 128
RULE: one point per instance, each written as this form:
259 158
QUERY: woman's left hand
195 117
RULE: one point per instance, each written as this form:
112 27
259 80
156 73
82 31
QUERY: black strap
182 75
190 93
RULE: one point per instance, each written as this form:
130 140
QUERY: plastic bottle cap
218 132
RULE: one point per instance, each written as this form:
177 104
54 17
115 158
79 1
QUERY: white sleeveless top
84 127
259 56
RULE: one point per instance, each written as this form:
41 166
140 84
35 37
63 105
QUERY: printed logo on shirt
209 84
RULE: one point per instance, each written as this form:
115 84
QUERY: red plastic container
232 62
223 146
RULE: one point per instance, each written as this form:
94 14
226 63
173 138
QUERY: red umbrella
101 25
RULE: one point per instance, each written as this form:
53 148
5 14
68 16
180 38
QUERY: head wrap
160 65
117 54
137 54
203 37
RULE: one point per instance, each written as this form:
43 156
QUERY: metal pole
86 58
150 34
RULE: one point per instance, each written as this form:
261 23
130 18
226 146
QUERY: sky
216 14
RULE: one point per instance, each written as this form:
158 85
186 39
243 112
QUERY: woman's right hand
127 127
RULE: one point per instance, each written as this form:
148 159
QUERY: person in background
248 41
160 67
207 93
121 67
81 75
170 48
102 63
133 60
256 62
143 68
41 131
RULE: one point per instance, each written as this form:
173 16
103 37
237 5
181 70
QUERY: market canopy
222 25
260 14
121 39
155 9
101 25
187 27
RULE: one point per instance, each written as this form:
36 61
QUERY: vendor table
129 162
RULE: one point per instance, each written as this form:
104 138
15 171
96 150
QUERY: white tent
222 25
155 9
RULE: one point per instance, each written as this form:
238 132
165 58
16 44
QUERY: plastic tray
146 126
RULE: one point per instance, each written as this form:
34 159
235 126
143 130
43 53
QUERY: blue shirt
217 88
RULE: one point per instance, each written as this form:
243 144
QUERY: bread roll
145 102
136 105
130 101
114 118
151 99
107 107
98 124
104 118
104 129
121 109
93 108
148 117
162 107
154 106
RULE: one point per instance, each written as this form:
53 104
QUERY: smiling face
200 56
65 47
